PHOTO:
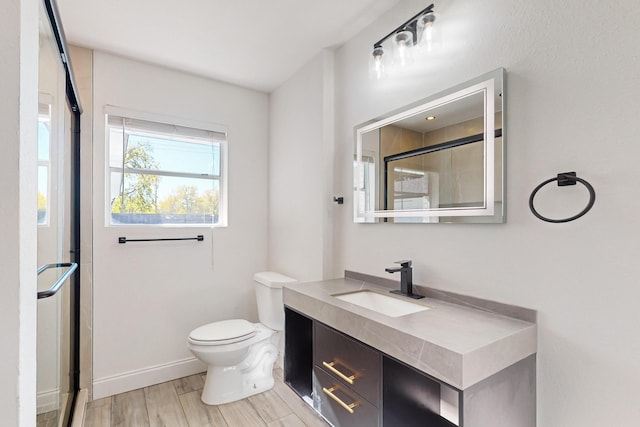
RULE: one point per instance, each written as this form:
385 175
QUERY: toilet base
225 384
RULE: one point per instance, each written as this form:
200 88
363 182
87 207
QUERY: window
165 174
364 185
44 147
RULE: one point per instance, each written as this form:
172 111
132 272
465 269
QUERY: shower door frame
75 109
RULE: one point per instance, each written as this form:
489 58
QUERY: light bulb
376 64
425 31
402 54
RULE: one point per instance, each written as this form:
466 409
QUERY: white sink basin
389 306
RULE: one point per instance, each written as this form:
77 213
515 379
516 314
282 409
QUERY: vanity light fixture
416 32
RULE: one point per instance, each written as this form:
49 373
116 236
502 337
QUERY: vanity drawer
349 361
340 405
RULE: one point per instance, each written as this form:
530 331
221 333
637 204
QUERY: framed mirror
437 160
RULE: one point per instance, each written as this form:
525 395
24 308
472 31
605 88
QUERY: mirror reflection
440 160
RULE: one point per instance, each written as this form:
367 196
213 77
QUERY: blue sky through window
181 156
169 155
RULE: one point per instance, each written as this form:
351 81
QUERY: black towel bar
123 240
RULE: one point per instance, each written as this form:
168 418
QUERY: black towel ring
564 179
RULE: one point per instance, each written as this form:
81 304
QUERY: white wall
301 129
573 98
149 296
18 184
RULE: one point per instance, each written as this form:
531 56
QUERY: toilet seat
223 332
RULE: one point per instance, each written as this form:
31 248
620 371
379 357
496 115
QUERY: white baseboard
127 381
47 401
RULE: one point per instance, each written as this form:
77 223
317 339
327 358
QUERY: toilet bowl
240 354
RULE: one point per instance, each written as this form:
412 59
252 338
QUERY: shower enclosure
58 227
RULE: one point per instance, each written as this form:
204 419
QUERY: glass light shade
427 38
402 52
377 69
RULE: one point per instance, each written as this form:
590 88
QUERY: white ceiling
253 43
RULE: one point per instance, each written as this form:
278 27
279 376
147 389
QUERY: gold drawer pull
329 392
330 367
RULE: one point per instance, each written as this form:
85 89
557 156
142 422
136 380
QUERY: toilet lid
224 331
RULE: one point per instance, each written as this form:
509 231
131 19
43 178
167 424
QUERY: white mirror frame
484 84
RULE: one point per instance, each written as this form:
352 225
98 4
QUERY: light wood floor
48 419
177 404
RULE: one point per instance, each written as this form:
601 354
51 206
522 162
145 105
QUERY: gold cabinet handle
330 367
329 392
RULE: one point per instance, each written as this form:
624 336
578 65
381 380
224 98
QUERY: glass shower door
56 239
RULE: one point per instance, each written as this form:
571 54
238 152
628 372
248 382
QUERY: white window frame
175 121
46 101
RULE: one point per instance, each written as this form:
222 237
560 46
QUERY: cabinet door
342 356
341 406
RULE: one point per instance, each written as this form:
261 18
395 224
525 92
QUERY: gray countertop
458 343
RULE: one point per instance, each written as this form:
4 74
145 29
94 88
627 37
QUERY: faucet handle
404 263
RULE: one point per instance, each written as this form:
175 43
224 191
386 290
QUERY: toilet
240 354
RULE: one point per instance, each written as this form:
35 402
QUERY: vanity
445 360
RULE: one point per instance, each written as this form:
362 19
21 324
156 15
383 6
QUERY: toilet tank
269 298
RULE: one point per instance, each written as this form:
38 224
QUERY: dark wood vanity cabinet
350 362
346 382
340 405
411 399
298 355
351 384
